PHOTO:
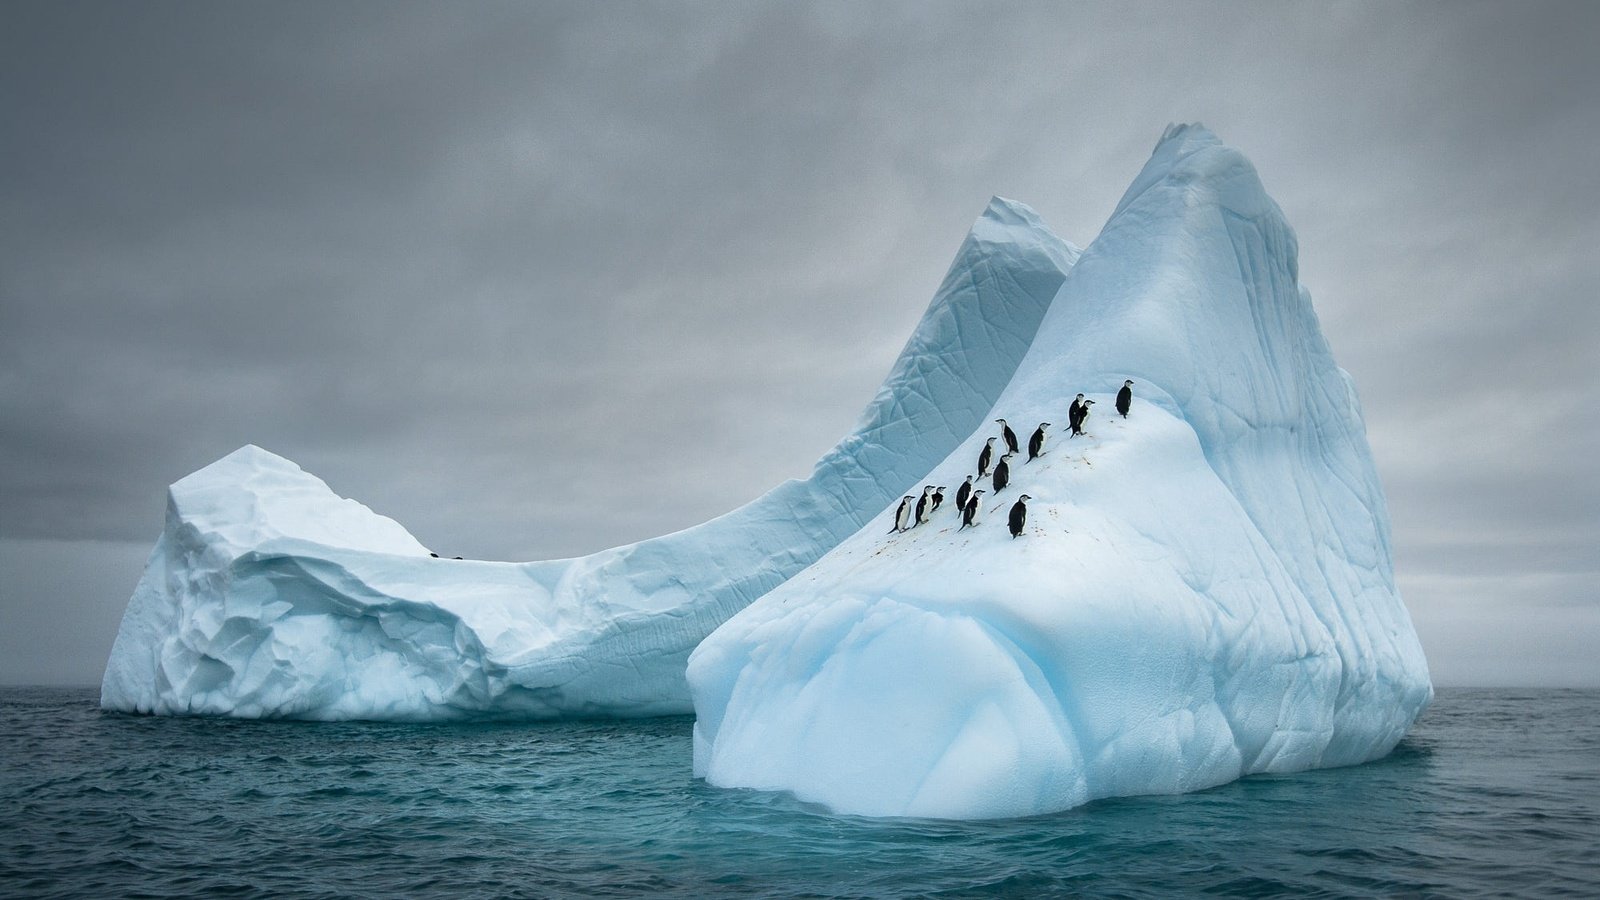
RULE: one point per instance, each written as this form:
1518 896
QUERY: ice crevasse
1202 590
269 596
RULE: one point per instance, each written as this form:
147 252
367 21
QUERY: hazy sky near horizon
540 279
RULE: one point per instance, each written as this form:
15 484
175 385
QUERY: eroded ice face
1204 591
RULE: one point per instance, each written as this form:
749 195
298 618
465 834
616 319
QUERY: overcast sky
540 279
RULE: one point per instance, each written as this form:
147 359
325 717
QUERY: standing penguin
984 455
969 513
1019 515
1008 434
1125 398
902 516
1036 443
1075 416
1083 416
938 499
1002 474
962 493
923 504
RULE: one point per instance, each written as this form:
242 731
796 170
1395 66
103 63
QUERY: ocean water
1495 792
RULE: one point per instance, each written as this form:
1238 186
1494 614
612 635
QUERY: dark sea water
1495 792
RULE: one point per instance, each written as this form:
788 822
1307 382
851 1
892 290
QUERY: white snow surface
1202 591
267 595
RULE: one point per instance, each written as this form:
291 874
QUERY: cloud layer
538 280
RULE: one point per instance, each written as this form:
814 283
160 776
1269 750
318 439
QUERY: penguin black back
1019 515
1002 474
1036 443
969 513
1009 435
984 456
1125 398
962 493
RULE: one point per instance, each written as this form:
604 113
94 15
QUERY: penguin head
992 440
1088 403
1080 396
1024 497
969 479
1044 424
939 489
1001 421
1128 383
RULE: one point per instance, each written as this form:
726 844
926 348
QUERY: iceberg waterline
268 596
1204 589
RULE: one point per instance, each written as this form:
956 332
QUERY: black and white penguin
924 505
1125 398
969 513
902 516
1002 474
938 499
1008 434
1036 443
962 493
1075 416
1019 515
1082 416
984 456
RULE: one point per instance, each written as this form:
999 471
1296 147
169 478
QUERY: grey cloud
540 279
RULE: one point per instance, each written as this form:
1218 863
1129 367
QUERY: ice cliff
1203 590
269 596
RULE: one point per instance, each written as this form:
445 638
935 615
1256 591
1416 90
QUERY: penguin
923 503
1019 515
1036 443
1008 434
984 455
1002 474
969 513
938 499
1125 398
962 493
902 515
1075 416
1083 416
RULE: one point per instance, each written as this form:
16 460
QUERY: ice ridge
268 596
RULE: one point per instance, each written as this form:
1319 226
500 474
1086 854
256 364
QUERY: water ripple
1495 793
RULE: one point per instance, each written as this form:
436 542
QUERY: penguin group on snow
914 510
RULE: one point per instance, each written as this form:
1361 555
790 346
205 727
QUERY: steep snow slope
1203 590
269 596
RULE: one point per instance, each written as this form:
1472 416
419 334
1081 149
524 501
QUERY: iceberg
269 596
1201 591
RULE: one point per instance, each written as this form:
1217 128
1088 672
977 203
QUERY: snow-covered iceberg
1202 590
267 595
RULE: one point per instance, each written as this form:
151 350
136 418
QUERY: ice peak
1010 212
1210 171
